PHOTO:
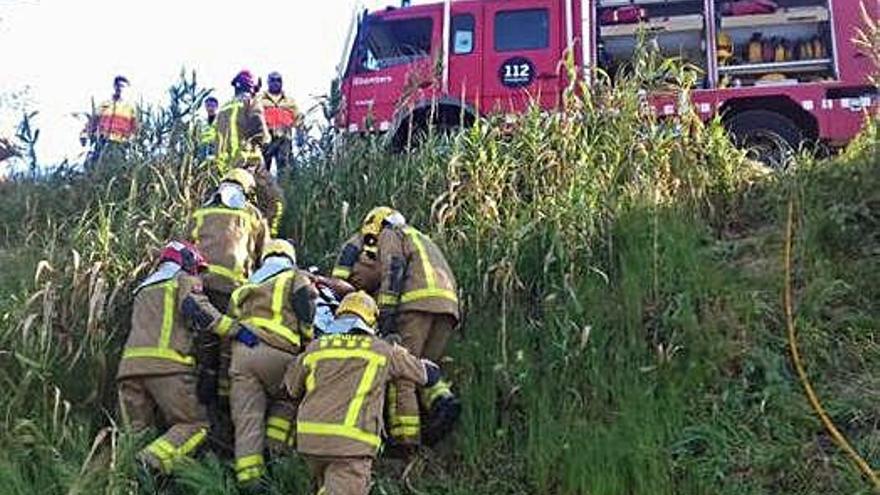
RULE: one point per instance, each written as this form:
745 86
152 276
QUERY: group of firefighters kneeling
224 352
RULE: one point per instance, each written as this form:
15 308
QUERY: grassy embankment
622 282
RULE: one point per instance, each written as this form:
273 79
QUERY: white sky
67 51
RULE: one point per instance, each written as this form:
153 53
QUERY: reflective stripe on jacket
347 257
231 240
241 133
341 380
279 310
207 141
415 274
356 267
160 341
208 134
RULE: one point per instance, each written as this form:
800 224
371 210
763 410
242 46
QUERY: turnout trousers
424 335
214 355
143 399
270 198
340 475
279 149
261 410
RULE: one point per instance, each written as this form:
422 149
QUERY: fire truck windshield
386 43
347 47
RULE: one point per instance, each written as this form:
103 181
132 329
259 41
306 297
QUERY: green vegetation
622 279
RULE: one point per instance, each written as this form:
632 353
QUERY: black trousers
280 148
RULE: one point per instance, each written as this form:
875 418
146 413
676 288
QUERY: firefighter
339 382
231 232
208 133
156 374
111 127
241 135
417 294
277 307
281 117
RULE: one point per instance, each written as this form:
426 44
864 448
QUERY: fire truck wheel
769 137
420 135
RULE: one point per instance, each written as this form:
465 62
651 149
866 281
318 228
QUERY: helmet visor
232 195
349 323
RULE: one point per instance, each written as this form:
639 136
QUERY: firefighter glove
246 337
198 318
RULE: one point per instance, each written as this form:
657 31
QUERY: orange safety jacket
115 121
280 113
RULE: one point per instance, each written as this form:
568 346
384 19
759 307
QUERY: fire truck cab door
522 48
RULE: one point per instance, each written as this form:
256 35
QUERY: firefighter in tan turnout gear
230 232
241 135
276 308
418 301
340 381
417 296
157 373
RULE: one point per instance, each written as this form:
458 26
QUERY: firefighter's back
341 412
227 237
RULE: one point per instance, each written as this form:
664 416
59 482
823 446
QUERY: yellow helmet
372 223
241 177
360 304
279 247
378 217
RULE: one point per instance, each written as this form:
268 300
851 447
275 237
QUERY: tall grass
573 256
621 287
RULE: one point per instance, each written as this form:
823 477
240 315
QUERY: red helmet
244 80
184 254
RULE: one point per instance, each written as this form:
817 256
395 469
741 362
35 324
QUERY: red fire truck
780 72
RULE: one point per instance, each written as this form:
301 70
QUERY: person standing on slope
241 135
208 131
281 118
417 295
111 127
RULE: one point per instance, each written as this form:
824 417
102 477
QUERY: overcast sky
67 51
